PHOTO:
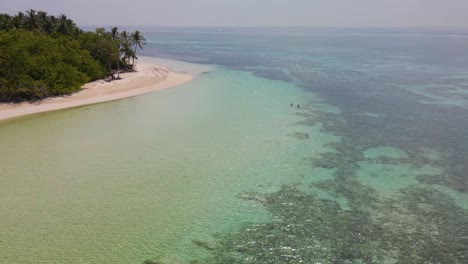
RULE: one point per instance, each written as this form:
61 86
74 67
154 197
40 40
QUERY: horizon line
441 30
284 27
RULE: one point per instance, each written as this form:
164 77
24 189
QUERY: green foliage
37 66
138 41
43 55
6 22
101 48
39 22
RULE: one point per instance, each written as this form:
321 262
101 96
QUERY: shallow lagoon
141 177
224 170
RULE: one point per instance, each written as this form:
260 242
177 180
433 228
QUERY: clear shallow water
119 183
223 170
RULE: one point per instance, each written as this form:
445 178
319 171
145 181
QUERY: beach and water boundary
182 173
142 196
149 77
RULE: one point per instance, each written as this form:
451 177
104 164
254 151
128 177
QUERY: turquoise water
369 169
129 180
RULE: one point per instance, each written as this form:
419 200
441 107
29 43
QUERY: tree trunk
118 67
134 56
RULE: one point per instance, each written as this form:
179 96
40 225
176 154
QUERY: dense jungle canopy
43 55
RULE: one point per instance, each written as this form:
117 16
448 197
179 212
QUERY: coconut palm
126 46
42 21
138 42
32 20
18 20
50 24
116 38
64 24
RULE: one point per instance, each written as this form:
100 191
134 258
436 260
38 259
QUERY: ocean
289 146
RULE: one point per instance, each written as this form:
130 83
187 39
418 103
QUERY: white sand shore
148 78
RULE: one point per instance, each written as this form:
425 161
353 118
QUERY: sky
256 13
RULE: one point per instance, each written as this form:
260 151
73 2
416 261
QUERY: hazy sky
315 13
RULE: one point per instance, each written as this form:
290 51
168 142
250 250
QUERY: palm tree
63 24
18 20
50 24
126 46
32 20
126 49
116 38
138 41
42 21
125 36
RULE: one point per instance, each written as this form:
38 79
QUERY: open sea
289 146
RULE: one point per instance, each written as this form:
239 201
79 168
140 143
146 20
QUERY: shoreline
148 78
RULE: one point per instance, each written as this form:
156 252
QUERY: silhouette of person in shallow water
298 106
291 104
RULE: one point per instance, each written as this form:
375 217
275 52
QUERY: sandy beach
147 78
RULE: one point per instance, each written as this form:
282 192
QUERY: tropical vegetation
43 55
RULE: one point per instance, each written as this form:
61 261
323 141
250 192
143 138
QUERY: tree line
43 55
